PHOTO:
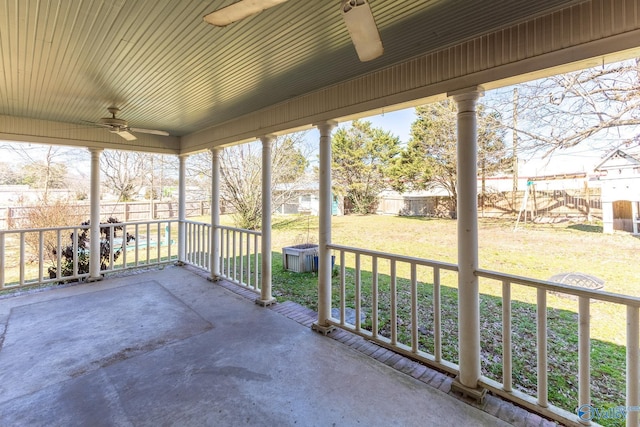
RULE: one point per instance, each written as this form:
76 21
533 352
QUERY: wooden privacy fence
14 217
540 203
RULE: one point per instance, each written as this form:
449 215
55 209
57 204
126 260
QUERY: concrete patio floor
168 347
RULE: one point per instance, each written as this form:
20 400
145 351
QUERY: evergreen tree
361 163
430 158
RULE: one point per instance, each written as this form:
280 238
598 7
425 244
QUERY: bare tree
599 106
42 166
241 175
125 172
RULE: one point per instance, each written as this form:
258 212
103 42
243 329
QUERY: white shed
619 174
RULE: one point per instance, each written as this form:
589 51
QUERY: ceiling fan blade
362 28
124 134
151 131
239 10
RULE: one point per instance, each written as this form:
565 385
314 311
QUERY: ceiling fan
356 14
121 127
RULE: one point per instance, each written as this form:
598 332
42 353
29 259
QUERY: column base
324 330
214 278
478 393
179 264
93 279
265 303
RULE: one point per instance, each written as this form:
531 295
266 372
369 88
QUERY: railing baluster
221 259
233 257
3 261
40 256
158 242
358 284
584 350
507 367
59 253
249 254
256 248
75 252
148 245
633 369
541 311
226 257
201 245
209 235
167 237
248 243
123 247
437 316
394 303
241 256
111 246
374 296
343 302
414 308
22 257
136 247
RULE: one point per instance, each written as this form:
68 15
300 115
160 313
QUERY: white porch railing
389 279
386 292
239 261
586 298
197 242
240 256
31 257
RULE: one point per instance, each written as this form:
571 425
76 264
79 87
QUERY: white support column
467 214
182 210
215 214
324 233
94 231
265 279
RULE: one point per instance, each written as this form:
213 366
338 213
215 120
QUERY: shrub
83 253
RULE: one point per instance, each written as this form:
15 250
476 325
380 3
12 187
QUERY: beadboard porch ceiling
65 61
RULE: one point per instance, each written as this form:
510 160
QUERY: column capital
326 127
266 139
95 150
467 94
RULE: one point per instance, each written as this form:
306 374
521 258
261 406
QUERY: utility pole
515 148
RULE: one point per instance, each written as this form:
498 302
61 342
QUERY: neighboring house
619 174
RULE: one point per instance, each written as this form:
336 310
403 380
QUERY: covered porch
166 347
212 88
